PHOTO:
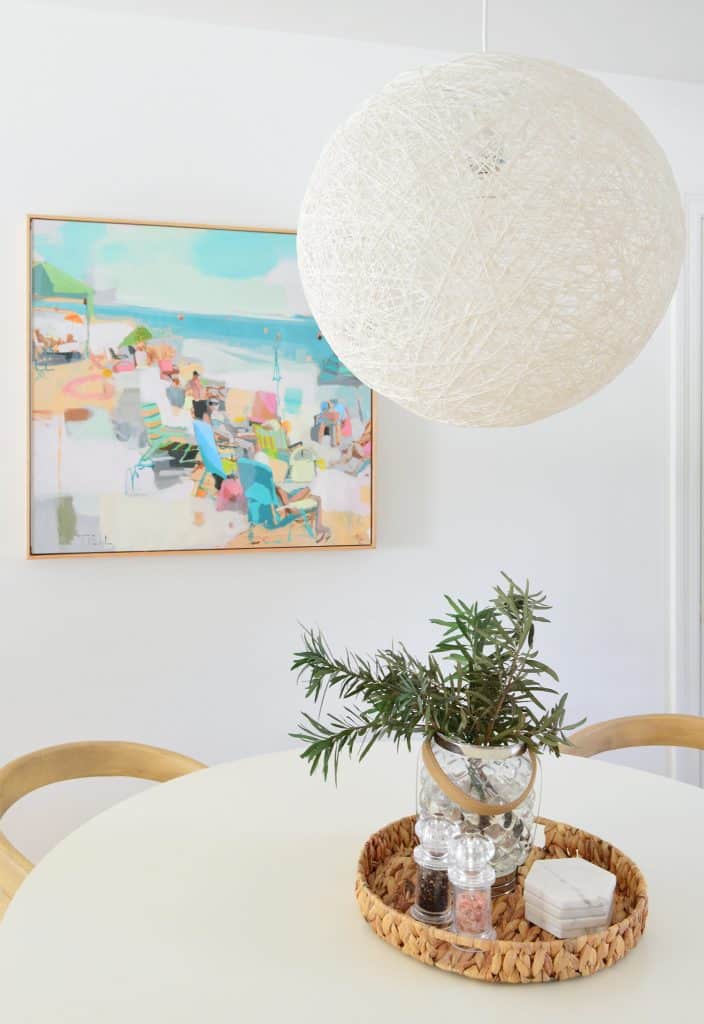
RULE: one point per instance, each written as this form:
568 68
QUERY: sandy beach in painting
166 429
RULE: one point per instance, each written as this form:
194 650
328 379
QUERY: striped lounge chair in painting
175 442
273 439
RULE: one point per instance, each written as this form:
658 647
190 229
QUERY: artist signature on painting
94 540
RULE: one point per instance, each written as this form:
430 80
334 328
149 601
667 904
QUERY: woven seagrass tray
522 952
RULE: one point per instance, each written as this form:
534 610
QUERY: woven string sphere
490 241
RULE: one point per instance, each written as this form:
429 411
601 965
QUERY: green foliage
481 684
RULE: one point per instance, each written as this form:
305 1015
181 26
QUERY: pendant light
490 240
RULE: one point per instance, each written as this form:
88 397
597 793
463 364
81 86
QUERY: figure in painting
193 411
194 387
175 393
361 448
290 494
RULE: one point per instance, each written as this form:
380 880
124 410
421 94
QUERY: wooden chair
637 731
75 761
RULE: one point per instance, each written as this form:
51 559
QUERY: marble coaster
570 885
590 914
584 923
559 928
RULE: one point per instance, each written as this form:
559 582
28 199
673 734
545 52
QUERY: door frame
685 694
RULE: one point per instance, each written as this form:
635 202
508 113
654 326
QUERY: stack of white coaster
569 897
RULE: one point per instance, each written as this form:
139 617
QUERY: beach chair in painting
270 437
332 423
40 358
173 442
273 439
215 390
217 461
123 361
264 507
48 352
301 467
361 466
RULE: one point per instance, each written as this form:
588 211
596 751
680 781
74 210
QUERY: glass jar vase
493 791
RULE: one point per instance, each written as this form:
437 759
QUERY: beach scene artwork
182 397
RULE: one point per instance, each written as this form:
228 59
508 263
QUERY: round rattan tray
522 952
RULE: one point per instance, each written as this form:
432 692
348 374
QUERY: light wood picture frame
182 399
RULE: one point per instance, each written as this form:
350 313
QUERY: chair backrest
208 448
152 420
271 437
637 731
265 439
257 482
76 761
278 434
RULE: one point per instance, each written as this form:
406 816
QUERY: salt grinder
472 876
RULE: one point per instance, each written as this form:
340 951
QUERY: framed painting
182 398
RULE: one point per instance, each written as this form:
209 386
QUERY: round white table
228 896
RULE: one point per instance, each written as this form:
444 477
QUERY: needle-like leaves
483 692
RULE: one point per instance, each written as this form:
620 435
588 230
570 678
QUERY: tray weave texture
522 952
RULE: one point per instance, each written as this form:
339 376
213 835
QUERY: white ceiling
658 38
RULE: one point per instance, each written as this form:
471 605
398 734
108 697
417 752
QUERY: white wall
142 118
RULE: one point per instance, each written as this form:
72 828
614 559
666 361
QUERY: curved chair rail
637 731
91 759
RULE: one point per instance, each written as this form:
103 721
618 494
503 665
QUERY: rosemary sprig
488 689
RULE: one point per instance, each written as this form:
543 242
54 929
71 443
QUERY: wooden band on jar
468 803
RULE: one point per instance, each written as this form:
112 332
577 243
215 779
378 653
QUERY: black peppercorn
432 904
433 895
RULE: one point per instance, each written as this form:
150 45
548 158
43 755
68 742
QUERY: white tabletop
228 896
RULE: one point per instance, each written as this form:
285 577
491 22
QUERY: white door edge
685 693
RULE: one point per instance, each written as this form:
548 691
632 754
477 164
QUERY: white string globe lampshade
489 241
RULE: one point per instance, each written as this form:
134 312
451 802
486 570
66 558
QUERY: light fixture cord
485 25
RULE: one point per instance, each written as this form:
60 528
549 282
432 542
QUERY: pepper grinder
472 876
433 903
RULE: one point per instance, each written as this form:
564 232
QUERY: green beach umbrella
138 334
50 282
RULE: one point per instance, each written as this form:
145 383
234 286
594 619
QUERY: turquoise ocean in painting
183 397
